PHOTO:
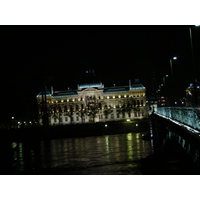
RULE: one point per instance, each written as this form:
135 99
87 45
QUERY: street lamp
171 59
164 87
194 70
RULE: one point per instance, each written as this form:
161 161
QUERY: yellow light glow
129 136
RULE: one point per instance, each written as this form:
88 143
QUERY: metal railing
188 115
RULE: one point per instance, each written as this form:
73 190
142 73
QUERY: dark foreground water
95 155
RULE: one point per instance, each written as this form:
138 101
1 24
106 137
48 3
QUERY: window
112 116
129 114
66 119
142 113
77 118
54 119
117 115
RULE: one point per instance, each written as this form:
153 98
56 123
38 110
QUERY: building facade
92 102
190 98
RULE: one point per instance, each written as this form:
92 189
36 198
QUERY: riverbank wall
76 130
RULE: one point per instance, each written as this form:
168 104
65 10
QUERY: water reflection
108 154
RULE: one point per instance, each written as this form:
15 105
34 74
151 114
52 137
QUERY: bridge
181 125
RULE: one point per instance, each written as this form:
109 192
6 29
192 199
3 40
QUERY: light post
194 69
164 88
171 66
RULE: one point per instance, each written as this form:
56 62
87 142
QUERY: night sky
62 54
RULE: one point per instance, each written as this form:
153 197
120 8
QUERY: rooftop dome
89 80
137 85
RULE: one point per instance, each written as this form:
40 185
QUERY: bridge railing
187 115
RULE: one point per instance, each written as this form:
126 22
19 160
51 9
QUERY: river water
94 155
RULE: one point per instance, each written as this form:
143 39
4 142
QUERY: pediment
89 89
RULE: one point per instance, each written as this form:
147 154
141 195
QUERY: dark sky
31 54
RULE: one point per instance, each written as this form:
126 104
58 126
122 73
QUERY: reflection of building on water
108 152
92 102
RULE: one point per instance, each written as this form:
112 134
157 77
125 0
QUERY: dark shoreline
74 130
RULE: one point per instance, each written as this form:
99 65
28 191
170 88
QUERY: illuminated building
190 94
92 102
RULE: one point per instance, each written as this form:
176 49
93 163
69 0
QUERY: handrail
187 115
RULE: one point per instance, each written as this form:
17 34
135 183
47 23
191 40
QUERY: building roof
117 89
89 80
64 93
137 85
47 93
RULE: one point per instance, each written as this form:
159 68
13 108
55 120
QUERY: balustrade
188 116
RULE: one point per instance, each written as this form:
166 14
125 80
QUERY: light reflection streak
107 148
21 159
70 153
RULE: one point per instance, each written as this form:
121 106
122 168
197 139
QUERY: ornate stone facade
92 102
